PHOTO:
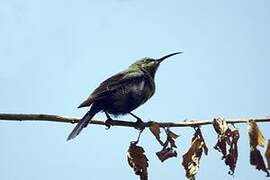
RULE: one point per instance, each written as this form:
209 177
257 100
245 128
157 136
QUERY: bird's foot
108 123
139 124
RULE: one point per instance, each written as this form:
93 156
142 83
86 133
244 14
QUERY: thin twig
62 119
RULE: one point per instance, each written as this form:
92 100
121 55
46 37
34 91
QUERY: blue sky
54 53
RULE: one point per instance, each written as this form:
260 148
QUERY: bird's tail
81 124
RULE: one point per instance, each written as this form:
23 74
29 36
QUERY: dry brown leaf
221 146
256 160
168 147
267 154
199 134
227 137
166 154
138 161
256 137
155 129
222 129
172 134
220 126
191 158
231 158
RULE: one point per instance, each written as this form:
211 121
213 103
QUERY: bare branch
62 119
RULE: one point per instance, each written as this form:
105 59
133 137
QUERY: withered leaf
166 154
267 154
138 161
191 158
222 129
227 137
220 126
172 134
231 158
168 147
198 133
155 129
221 146
256 137
256 160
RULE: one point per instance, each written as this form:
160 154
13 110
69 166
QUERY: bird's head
151 65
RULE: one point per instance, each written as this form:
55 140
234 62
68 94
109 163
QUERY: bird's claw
139 124
108 123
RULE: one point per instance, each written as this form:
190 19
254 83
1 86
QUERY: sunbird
122 93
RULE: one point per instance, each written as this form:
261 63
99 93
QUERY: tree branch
62 119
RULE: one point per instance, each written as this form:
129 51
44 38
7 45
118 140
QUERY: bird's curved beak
167 56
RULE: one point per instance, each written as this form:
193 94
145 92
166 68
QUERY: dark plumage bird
122 93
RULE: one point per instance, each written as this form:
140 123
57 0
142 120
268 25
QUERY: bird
122 93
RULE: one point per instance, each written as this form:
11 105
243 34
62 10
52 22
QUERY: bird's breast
128 98
142 90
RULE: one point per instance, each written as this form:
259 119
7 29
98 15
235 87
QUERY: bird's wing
111 84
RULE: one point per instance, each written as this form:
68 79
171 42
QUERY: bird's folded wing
113 83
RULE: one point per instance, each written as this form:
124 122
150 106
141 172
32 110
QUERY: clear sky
53 53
